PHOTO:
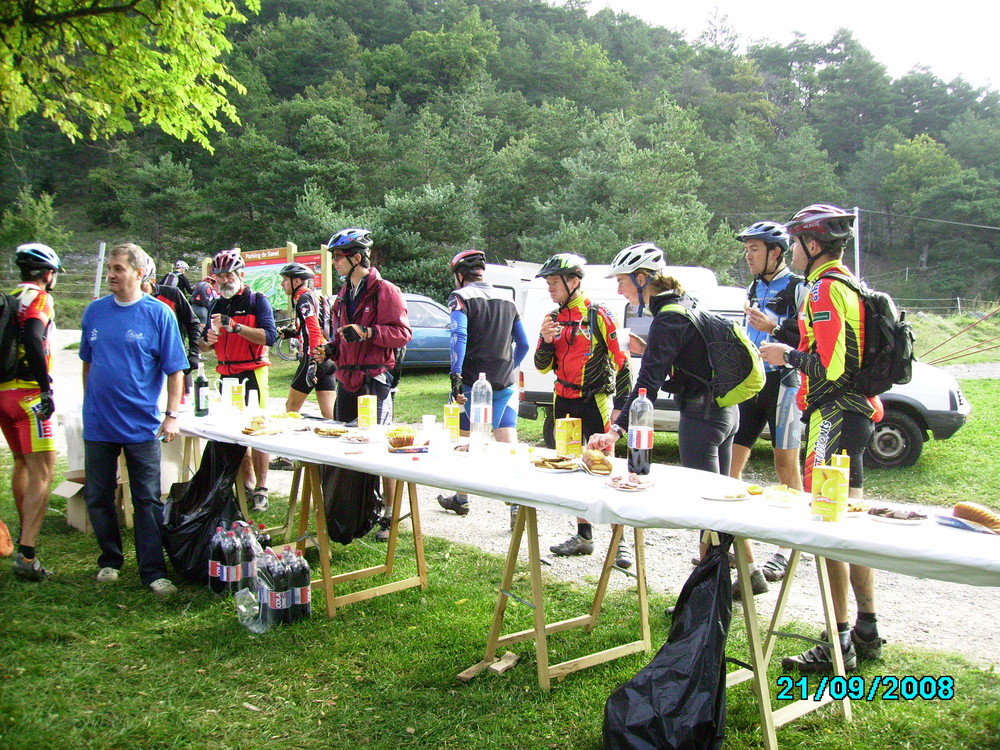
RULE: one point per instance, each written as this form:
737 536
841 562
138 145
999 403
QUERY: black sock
844 631
585 530
27 552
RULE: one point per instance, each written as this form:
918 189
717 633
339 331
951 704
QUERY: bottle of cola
216 584
231 554
640 434
282 587
249 552
301 582
266 572
263 538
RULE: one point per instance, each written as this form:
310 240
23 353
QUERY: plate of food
728 497
331 432
555 464
778 495
356 437
897 516
630 483
596 463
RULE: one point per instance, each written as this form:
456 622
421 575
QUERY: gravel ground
913 611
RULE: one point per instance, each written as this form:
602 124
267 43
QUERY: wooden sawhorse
761 650
527 520
307 488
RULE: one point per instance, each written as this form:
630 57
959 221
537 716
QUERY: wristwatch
774 331
173 414
618 429
784 356
237 328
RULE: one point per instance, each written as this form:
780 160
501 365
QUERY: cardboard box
76 508
829 491
569 437
367 411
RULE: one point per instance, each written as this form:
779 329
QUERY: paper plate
898 521
546 470
645 486
727 499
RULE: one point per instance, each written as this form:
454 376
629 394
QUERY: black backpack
887 359
10 336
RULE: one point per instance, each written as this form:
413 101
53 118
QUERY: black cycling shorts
324 374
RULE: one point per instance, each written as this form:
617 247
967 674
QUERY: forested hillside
524 129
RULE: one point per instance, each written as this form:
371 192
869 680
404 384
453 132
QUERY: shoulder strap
838 276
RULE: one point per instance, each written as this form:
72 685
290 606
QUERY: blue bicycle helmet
36 256
769 232
350 242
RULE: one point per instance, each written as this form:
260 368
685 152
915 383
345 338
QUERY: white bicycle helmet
227 261
645 256
180 265
149 271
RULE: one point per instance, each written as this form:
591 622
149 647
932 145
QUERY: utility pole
857 242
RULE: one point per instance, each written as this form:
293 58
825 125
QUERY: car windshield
424 315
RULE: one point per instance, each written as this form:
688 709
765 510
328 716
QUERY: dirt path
914 611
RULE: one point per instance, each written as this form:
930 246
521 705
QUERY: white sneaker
107 575
163 587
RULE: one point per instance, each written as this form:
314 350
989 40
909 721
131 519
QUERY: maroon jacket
381 308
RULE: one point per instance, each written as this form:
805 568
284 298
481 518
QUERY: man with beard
241 328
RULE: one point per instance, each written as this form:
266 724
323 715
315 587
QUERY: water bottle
640 434
481 414
300 579
215 562
201 392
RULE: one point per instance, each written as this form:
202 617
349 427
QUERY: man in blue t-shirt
130 343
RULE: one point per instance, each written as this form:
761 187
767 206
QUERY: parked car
931 404
430 345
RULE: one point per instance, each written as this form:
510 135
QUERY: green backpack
737 369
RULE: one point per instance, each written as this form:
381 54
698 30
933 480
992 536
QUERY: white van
931 404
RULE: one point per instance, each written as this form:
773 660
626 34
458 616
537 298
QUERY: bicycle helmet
822 221
228 261
180 265
467 260
350 241
770 232
644 256
562 264
37 257
149 270
297 271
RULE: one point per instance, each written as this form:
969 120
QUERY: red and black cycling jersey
235 353
586 361
307 320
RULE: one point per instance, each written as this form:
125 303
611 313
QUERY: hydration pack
887 358
10 336
737 369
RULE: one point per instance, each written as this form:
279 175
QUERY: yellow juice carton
452 424
367 411
829 493
569 437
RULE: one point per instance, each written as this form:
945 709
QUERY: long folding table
676 499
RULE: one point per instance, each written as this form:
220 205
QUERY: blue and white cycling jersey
780 299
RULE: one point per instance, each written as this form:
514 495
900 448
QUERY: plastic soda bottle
282 595
231 563
266 573
215 562
300 578
640 434
201 391
481 414
263 538
249 552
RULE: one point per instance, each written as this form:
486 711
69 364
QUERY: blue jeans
143 462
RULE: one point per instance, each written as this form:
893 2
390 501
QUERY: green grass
92 666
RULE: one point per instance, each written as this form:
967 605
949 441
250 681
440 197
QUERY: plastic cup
428 421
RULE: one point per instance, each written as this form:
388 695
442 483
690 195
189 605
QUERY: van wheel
549 430
898 441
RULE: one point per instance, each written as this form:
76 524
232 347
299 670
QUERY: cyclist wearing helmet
190 326
675 360
27 405
487 336
297 281
129 342
773 301
202 297
241 330
178 278
839 417
372 326
579 342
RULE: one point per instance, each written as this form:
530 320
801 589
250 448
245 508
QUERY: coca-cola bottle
281 600
249 551
230 571
216 584
300 579
640 434
267 565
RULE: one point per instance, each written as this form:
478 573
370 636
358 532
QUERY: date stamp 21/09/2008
876 687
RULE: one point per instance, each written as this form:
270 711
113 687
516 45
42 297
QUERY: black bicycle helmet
822 221
468 259
562 264
297 271
350 241
37 257
770 232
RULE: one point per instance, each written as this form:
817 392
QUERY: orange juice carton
569 437
452 423
829 493
367 411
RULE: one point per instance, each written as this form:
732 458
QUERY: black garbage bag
678 700
194 509
352 500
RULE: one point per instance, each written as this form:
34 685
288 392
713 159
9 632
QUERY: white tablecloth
675 500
